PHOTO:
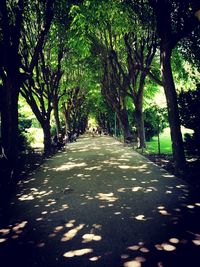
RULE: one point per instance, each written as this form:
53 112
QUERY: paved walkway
99 204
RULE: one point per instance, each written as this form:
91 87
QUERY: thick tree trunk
9 126
124 124
173 112
56 117
47 137
139 118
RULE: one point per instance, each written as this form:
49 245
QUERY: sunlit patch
70 223
161 207
126 167
54 211
93 168
168 176
121 190
174 240
106 197
97 226
134 248
79 252
136 188
140 259
196 242
26 197
34 194
144 250
158 247
39 219
95 258
91 237
2 240
181 186
4 231
72 233
58 228
41 245
124 256
65 206
165 246
168 247
190 206
70 165
132 264
140 217
44 212
164 212
178 210
19 226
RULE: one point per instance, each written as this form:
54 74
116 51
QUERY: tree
189 106
13 69
175 20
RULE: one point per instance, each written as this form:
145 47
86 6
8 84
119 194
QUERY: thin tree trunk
140 125
66 117
56 117
159 150
173 112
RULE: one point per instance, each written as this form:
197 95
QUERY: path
101 204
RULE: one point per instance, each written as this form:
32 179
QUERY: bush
155 120
25 139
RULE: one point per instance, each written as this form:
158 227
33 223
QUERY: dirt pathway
100 204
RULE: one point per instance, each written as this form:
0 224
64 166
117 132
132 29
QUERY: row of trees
34 53
128 41
58 54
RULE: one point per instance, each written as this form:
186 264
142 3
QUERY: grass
37 135
165 142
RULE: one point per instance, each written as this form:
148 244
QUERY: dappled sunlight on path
101 204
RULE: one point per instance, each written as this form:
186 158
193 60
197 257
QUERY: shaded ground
191 174
101 204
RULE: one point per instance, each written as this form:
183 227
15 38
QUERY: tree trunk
196 136
140 125
56 117
9 125
66 116
124 123
47 137
173 113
